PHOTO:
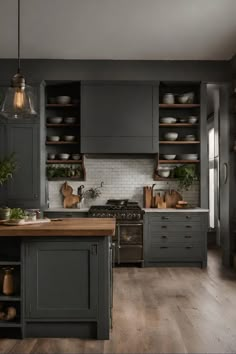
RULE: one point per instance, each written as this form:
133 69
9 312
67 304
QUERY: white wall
123 178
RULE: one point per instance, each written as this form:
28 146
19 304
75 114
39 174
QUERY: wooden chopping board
172 197
23 222
147 196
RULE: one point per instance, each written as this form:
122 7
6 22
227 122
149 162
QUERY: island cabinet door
61 280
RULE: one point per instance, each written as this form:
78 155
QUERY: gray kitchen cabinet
24 188
172 238
65 214
119 117
61 280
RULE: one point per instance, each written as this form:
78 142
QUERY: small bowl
189 137
169 157
63 99
192 119
54 120
51 156
186 98
171 136
53 138
75 156
68 137
63 156
168 120
163 173
168 98
188 157
69 120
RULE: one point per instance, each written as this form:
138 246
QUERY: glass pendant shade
18 103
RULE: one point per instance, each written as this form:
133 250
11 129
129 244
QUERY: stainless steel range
128 241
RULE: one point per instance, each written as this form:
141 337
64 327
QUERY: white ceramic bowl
63 156
182 120
188 157
55 120
53 138
163 173
189 137
168 120
63 99
171 136
75 156
192 119
169 157
51 156
186 98
168 98
69 120
68 137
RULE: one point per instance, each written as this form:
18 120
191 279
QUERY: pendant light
19 98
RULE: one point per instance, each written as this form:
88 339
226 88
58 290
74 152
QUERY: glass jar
8 281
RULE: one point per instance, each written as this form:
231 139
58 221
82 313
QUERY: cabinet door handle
188 247
164 227
164 236
163 247
188 217
35 196
187 236
225 172
188 226
165 218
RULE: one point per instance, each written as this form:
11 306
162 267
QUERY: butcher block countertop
64 227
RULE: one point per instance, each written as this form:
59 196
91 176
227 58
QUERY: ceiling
120 29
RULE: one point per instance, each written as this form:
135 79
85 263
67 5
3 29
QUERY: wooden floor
160 310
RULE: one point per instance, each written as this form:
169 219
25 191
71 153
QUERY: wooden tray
23 222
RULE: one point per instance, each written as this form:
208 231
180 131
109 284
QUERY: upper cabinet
119 117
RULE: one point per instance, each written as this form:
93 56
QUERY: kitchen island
62 277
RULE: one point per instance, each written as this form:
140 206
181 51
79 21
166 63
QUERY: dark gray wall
41 69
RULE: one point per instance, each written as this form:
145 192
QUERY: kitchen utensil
54 120
53 138
70 200
63 156
168 120
69 120
171 136
51 156
68 137
192 119
147 194
153 199
187 157
168 98
186 98
171 198
169 157
63 99
189 137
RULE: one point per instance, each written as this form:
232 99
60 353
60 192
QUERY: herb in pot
187 175
17 213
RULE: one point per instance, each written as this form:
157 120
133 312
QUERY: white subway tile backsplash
123 178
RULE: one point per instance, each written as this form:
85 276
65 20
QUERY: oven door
130 243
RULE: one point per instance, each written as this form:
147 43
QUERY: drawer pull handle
187 236
188 247
188 226
163 247
68 215
164 227
188 217
164 236
165 218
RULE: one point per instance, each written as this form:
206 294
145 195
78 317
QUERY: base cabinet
67 287
175 239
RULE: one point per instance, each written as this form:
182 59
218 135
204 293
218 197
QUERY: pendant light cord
18 37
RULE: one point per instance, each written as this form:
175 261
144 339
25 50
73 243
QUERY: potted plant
186 175
7 168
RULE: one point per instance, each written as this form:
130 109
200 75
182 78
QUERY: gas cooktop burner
120 209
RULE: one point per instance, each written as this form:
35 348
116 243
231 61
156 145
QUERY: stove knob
123 216
129 216
138 216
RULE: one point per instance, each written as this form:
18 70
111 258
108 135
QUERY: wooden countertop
64 227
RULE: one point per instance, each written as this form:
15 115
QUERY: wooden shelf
179 105
64 161
178 161
9 263
57 105
62 142
10 298
66 179
179 142
62 125
178 125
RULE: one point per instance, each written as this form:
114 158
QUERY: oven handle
131 224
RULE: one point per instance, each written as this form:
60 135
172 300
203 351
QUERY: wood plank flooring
160 310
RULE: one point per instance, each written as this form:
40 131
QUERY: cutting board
171 198
147 197
23 222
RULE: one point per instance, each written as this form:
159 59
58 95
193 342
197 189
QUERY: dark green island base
63 284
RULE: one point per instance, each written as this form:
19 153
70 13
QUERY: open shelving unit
59 169
178 111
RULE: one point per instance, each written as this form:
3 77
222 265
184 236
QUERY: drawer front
63 215
175 237
175 253
174 217
174 227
